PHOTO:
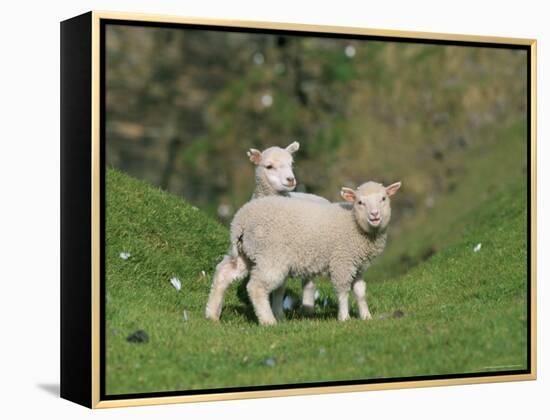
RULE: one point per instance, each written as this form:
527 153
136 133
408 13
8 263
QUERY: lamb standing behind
274 176
273 237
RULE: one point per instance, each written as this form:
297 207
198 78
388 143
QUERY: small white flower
195 208
317 295
477 247
125 255
185 316
350 51
322 351
267 100
288 303
224 210
176 283
430 201
258 58
203 273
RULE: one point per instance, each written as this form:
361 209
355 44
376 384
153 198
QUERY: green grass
486 169
462 311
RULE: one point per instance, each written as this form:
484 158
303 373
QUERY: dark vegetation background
183 106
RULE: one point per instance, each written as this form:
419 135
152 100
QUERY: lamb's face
275 165
371 204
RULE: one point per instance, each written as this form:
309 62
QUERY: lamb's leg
343 303
359 289
342 280
227 271
262 282
308 297
277 298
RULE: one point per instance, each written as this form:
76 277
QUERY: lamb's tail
237 234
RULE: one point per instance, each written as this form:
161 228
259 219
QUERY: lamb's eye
384 198
361 203
269 167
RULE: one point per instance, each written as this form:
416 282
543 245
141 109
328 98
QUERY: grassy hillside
488 168
456 311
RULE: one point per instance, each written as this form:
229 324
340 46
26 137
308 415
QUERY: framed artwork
257 209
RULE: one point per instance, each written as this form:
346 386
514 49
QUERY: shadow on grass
246 310
327 310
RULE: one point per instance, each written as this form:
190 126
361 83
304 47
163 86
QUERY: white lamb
274 176
274 237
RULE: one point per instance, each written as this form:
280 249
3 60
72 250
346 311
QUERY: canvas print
290 209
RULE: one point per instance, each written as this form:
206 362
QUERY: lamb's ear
255 156
293 147
347 194
392 189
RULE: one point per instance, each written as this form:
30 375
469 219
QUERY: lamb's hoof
280 317
343 318
212 317
366 317
268 322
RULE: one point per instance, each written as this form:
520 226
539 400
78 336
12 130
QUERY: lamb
274 176
273 237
